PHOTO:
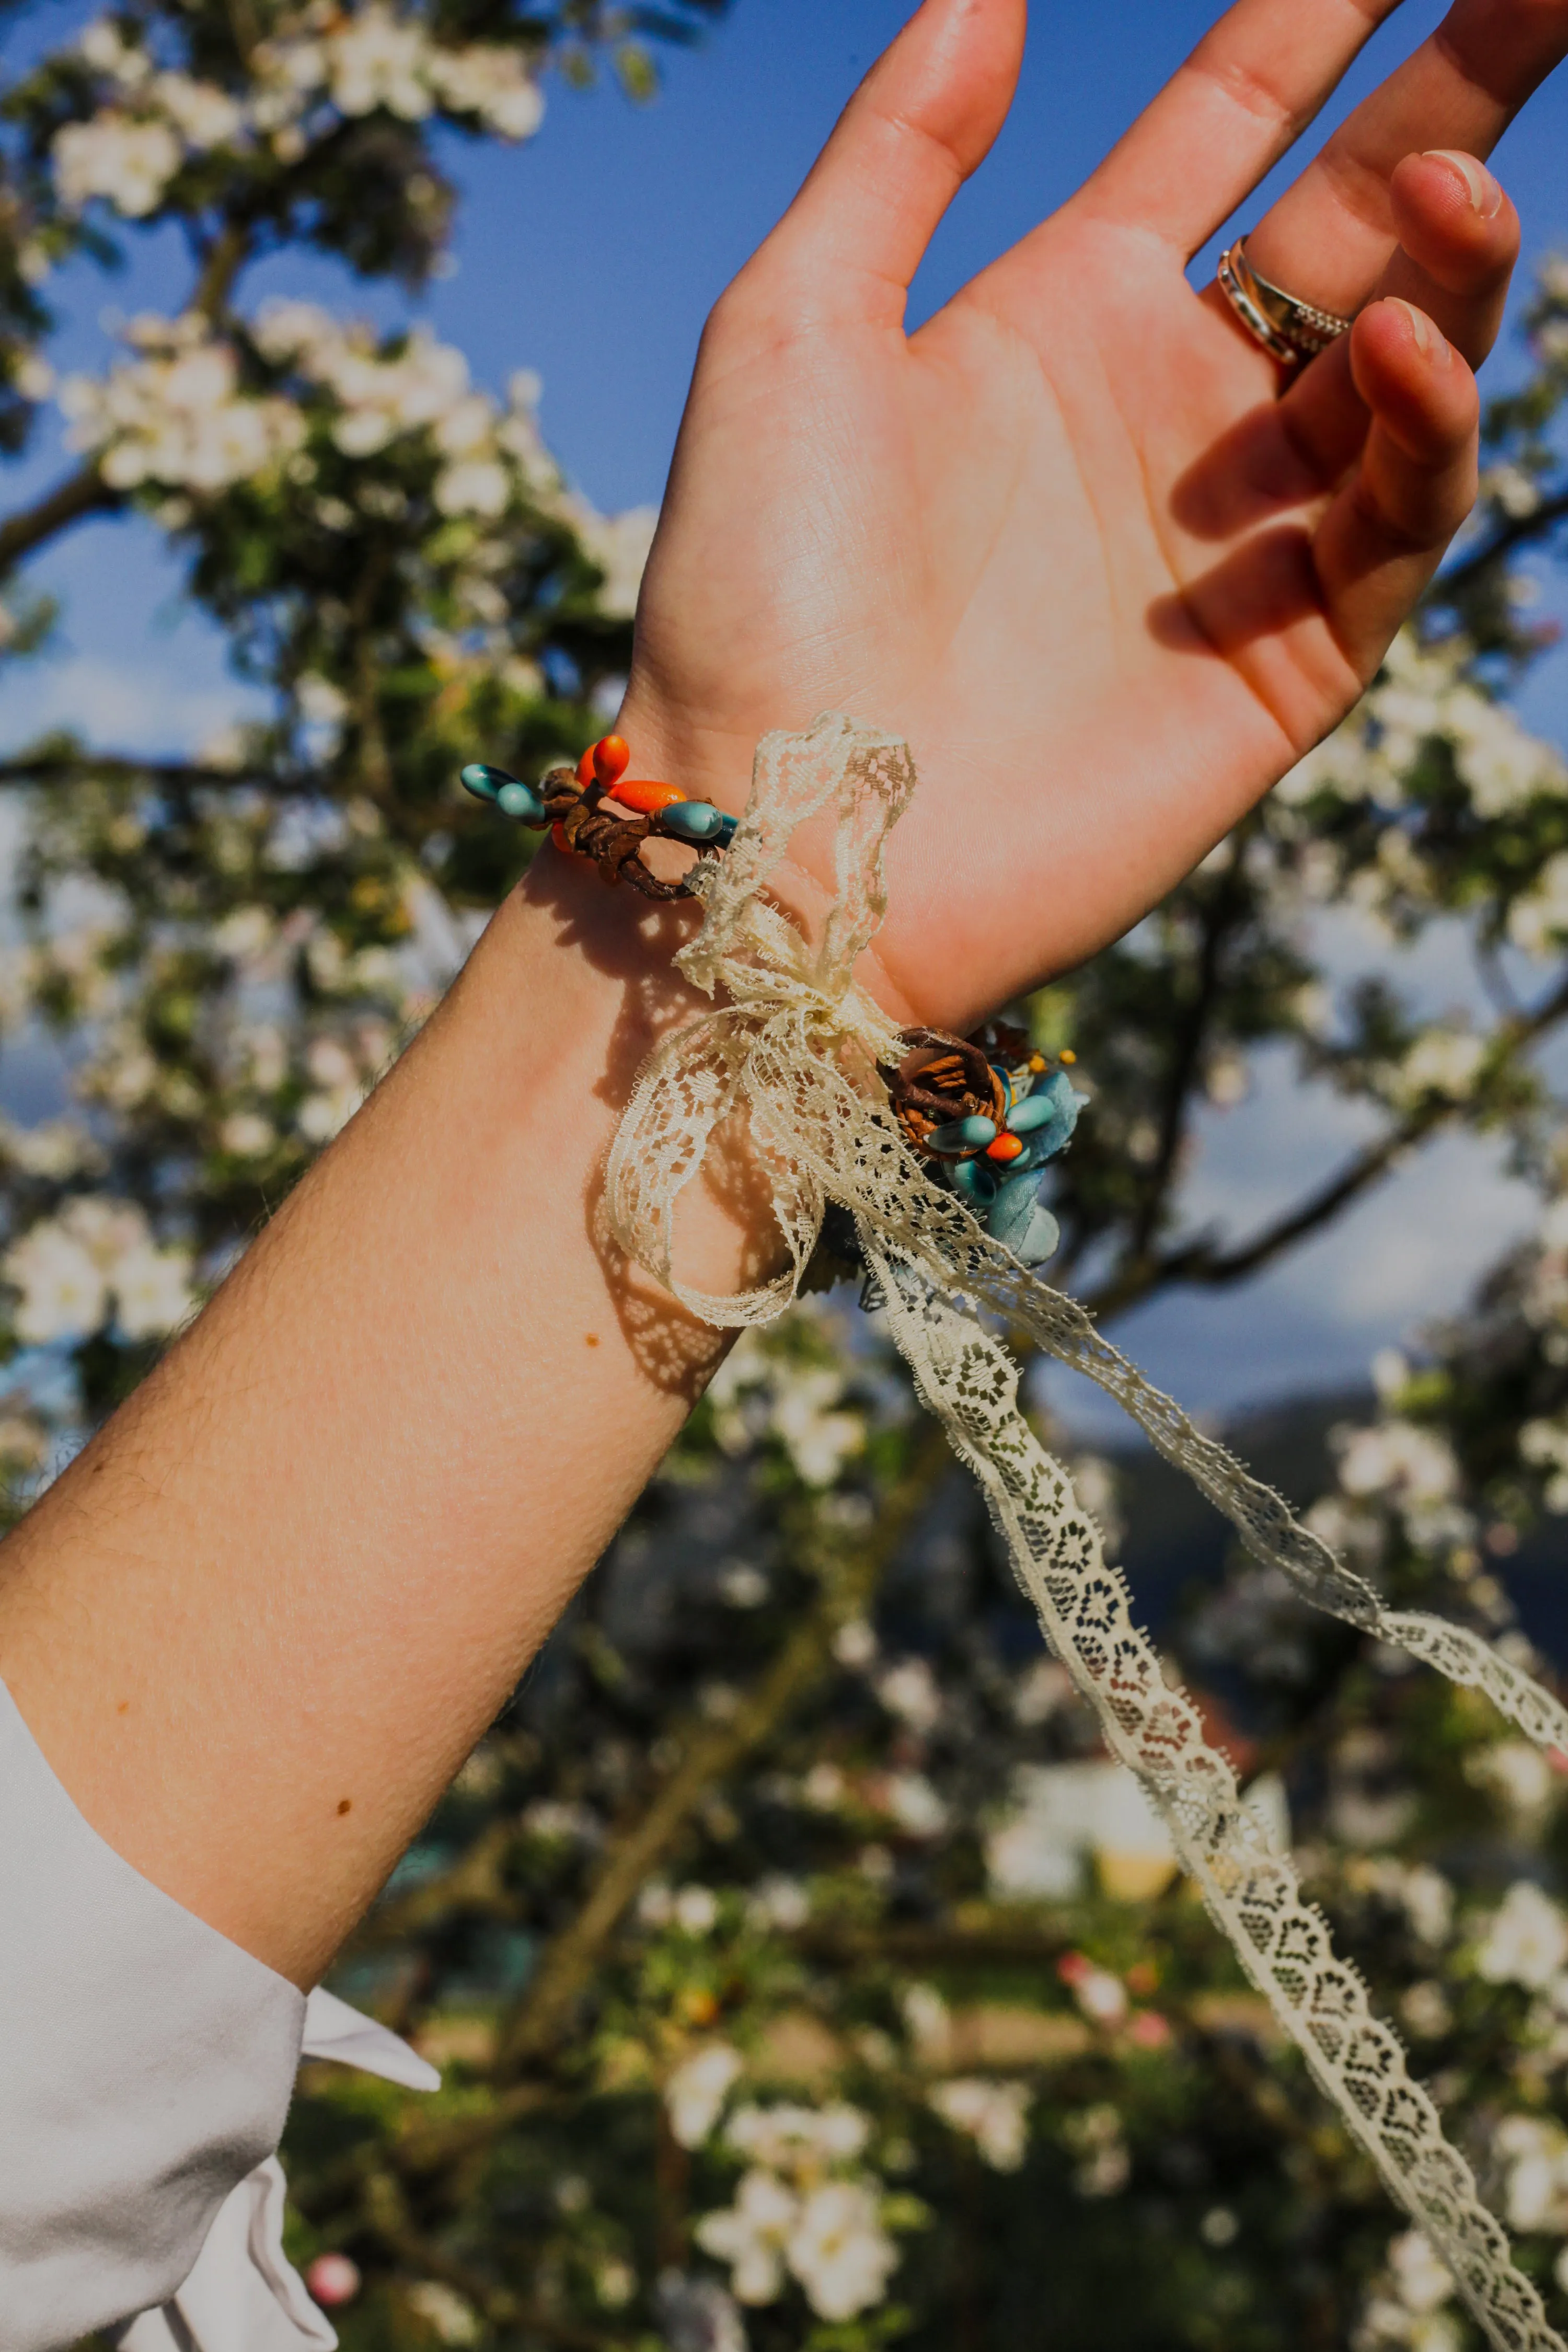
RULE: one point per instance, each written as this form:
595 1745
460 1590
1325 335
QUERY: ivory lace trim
795 1045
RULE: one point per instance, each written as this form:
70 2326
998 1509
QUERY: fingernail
1429 342
1485 195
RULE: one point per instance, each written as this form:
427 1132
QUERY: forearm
259 1621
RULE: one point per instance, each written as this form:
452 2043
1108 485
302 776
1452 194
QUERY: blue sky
591 255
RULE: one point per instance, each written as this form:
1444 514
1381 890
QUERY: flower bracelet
985 1113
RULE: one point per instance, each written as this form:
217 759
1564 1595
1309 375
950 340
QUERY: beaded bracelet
573 806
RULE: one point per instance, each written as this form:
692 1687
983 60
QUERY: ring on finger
1290 330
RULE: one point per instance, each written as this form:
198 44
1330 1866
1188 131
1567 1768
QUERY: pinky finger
1385 533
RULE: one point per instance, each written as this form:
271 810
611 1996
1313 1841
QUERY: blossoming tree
801 1973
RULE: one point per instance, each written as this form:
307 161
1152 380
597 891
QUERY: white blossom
1441 1062
243 934
1410 2316
1502 764
1527 1942
750 2234
103 45
246 1135
1545 1443
1104 2166
1538 919
326 1113
915 1805
619 545
1399 1459
928 2022
840 2251
855 1644
1518 1773
64 1293
127 161
1534 2153
787 2138
909 1690
1062 1815
779 1902
445 2311
152 1291
490 81
375 60
1045 1687
554 1818
176 415
477 485
760 1388
995 2117
696 1910
204 115
697 2089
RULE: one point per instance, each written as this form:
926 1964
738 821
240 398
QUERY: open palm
1078 539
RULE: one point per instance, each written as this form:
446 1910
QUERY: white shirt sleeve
146 2065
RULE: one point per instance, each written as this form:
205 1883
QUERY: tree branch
712 1753
1517 532
86 492
221 264
80 494
1202 1262
1219 919
119 767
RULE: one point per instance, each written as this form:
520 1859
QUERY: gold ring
1290 329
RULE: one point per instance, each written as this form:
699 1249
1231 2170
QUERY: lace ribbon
794 1047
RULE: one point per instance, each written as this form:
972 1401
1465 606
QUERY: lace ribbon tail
970 1382
1270 1530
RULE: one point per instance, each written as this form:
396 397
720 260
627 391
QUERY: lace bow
796 1045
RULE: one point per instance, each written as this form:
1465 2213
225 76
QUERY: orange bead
1067 1056
558 835
642 794
1006 1147
585 767
612 756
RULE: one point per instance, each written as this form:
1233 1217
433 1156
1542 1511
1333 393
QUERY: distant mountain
1173 1539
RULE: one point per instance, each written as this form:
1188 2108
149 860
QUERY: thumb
919 123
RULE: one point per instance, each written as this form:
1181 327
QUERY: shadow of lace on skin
796 1043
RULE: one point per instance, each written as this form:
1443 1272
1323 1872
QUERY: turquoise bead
1047 1116
515 799
728 826
974 1181
962 1135
1035 1110
693 820
483 781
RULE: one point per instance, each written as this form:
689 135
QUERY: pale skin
1076 539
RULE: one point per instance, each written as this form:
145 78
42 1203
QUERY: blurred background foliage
800 1971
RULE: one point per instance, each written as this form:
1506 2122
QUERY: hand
1077 538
